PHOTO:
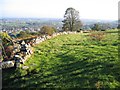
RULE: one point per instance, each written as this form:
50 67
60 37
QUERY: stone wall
23 50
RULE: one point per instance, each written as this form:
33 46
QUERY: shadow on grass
72 72
78 73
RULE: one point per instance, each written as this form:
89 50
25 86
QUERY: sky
88 9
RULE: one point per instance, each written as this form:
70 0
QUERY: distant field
70 61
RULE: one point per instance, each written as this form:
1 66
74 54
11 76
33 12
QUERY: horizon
55 18
94 9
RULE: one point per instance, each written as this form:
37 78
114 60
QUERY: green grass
70 61
112 31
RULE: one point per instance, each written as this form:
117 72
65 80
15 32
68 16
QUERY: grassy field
70 61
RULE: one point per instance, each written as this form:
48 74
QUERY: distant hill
8 23
85 21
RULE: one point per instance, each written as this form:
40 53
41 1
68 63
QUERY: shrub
47 30
23 34
6 45
97 36
9 51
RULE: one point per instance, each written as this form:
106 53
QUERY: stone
81 31
16 48
17 65
23 42
38 40
48 37
7 64
18 59
25 67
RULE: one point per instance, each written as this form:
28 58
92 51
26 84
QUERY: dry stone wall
23 50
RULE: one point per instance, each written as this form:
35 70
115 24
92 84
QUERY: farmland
70 61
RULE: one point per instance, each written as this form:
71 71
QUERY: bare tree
71 20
